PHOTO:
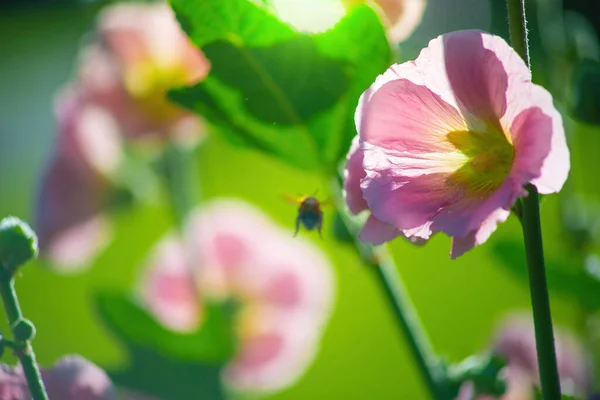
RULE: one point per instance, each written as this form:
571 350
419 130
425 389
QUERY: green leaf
213 342
586 92
237 21
286 83
171 365
571 281
286 93
152 373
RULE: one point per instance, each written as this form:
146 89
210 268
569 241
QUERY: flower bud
18 243
24 330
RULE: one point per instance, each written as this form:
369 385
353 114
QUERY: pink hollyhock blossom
446 143
284 286
139 55
515 341
69 220
71 378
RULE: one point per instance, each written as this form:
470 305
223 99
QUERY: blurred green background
362 355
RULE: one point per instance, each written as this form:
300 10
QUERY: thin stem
407 318
540 301
25 353
518 28
179 183
532 234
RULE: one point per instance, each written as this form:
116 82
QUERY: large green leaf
212 342
571 281
171 365
289 94
170 379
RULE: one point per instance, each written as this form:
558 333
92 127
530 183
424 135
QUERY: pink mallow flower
71 378
446 143
70 222
284 286
140 53
515 341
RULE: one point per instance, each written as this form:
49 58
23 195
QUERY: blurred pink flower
447 142
515 341
140 54
284 285
401 17
69 220
71 378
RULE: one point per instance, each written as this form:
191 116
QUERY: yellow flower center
148 83
489 156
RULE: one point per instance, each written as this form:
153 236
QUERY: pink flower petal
75 378
275 354
538 133
406 116
461 245
515 340
168 287
73 188
377 232
353 174
71 378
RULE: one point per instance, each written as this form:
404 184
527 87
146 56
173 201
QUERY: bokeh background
362 355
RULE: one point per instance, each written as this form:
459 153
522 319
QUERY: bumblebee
310 215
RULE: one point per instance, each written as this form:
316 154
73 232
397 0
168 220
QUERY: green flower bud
18 243
24 330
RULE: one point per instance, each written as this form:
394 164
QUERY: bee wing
291 199
326 202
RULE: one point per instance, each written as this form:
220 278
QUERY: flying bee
310 215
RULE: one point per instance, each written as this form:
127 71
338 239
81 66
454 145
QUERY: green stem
25 353
540 301
518 28
532 234
407 318
179 183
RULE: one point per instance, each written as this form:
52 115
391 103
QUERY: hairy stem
540 301
532 235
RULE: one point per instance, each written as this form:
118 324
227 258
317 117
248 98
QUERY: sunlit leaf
286 93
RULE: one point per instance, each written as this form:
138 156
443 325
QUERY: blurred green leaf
152 373
586 92
286 93
571 281
171 365
212 342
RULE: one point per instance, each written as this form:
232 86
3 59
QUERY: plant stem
542 318
381 263
408 320
517 25
25 352
179 183
532 234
